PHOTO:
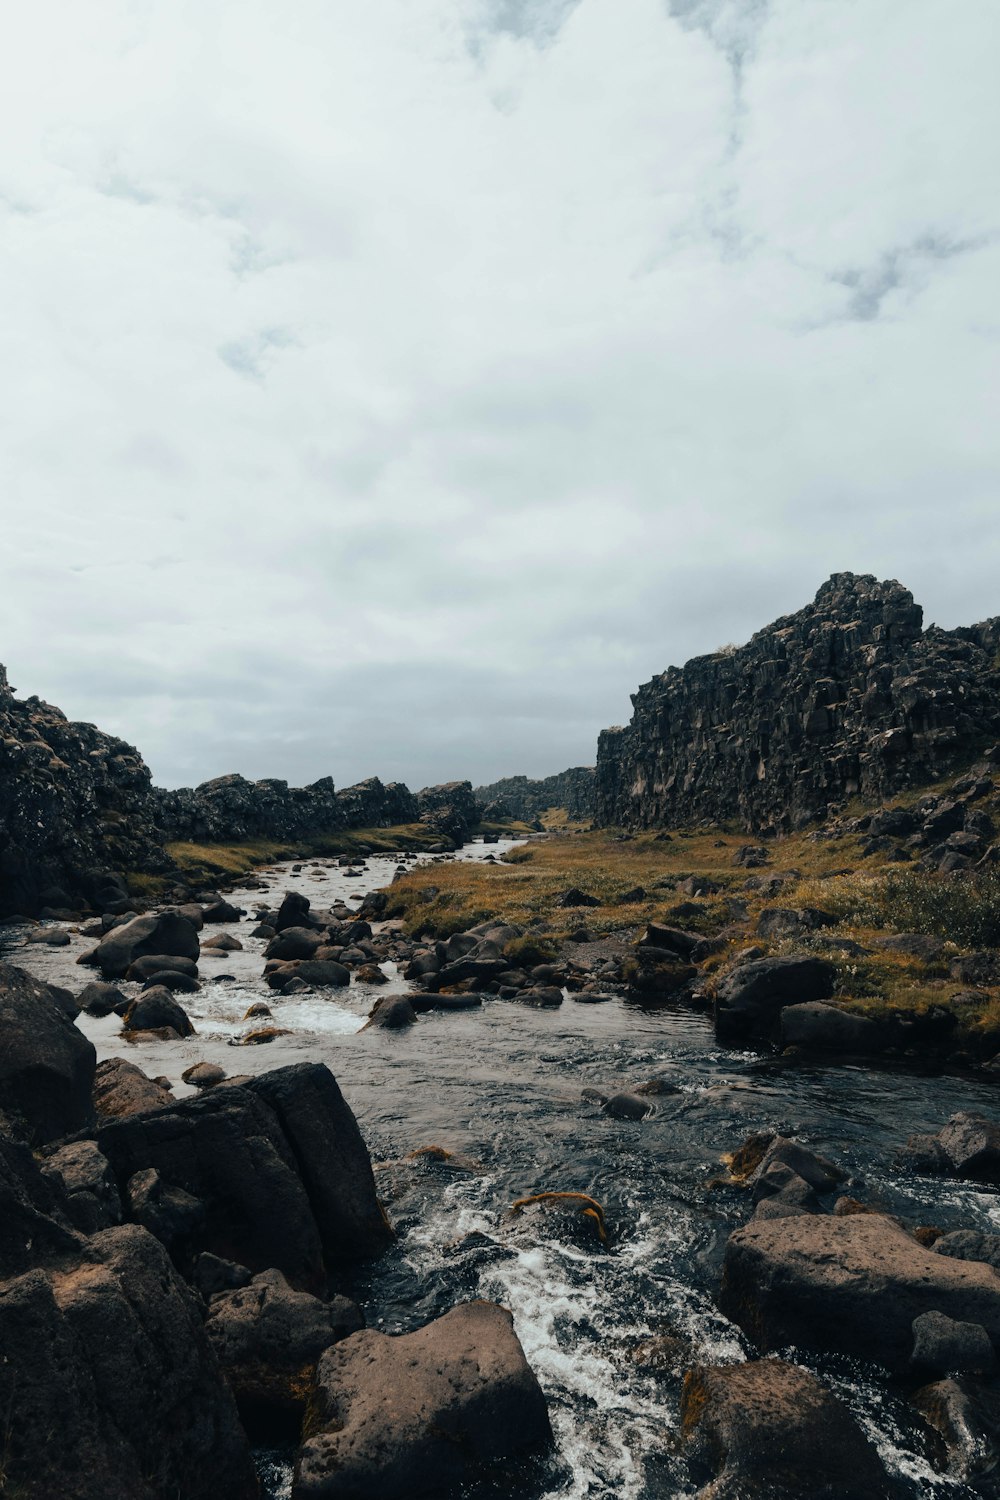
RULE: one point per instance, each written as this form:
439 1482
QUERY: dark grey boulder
627 1107
750 996
165 933
963 1414
169 979
421 1414
100 999
169 1213
294 942
226 1149
970 1244
84 1175
268 1338
154 1009
392 1013
941 1343
818 1171
108 1383
121 1088
159 963
849 1284
332 1159
771 1429
818 1027
972 1144
46 1063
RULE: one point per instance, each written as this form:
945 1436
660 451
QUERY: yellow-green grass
524 887
526 884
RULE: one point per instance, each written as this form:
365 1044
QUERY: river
502 1086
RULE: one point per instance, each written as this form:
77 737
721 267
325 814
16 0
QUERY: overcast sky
390 387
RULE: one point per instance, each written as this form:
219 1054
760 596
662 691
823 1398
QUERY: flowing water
608 1333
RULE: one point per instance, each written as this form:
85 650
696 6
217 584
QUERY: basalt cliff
849 697
522 797
74 806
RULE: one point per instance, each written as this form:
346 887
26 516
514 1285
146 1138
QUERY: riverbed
608 1332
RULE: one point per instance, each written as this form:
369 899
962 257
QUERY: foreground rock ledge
851 1284
422 1413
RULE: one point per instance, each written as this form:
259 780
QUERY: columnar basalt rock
231 809
74 804
525 798
847 697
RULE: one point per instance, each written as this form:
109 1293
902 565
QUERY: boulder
818 1027
155 1008
972 1145
226 1149
169 1213
391 1013
322 971
819 1172
575 897
420 1414
268 1338
160 963
169 979
203 1075
852 1285
771 1429
84 1175
750 996
100 999
964 1416
164 933
293 912
46 1063
332 1158
942 1344
109 1386
970 1244
294 942
120 1088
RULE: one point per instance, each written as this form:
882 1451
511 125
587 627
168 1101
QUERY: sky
390 388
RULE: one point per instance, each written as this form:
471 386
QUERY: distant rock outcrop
75 806
847 697
451 809
231 809
526 799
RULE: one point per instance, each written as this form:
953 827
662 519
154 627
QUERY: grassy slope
870 899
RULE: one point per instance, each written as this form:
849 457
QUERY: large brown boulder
421 1414
46 1063
164 933
108 1384
771 1429
852 1284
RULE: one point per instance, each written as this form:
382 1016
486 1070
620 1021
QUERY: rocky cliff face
75 804
450 809
847 697
232 809
526 798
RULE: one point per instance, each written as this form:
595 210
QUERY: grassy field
867 898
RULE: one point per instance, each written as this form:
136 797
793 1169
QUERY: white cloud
390 388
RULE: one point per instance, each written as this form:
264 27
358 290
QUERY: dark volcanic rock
852 1284
165 934
268 1338
332 1159
400 1418
750 996
771 1429
108 1384
847 697
231 809
120 1088
526 799
46 1063
75 804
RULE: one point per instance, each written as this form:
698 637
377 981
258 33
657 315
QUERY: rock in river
851 1284
421 1414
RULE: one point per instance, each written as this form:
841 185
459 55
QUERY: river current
608 1333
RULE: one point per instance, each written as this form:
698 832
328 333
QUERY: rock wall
848 697
526 799
232 809
450 809
74 804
